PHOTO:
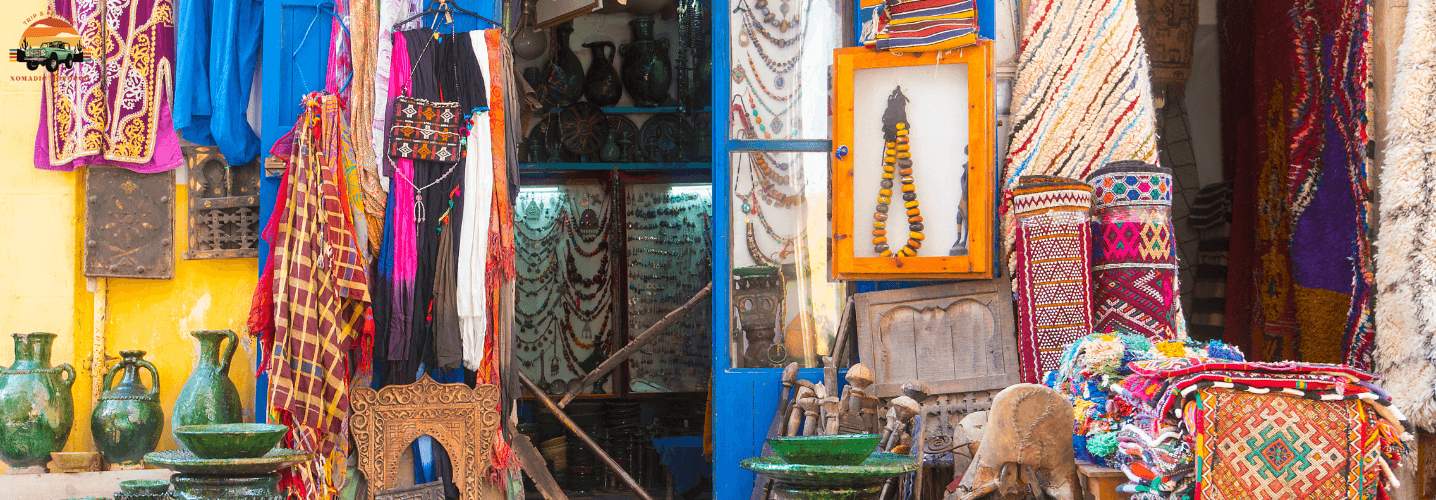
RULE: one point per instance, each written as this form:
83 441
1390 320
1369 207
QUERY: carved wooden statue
1026 447
463 420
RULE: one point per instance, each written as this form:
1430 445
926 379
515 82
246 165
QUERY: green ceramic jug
127 420
35 406
209 397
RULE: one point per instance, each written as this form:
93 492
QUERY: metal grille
223 206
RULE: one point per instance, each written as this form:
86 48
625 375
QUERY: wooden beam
629 350
533 464
583 436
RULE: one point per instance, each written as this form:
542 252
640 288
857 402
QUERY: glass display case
669 240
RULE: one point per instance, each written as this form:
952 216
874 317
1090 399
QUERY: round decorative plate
583 128
875 470
662 138
183 461
545 145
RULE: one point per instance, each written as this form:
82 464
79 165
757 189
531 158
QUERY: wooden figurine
810 415
903 410
795 418
1026 447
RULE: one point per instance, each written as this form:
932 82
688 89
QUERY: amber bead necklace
897 164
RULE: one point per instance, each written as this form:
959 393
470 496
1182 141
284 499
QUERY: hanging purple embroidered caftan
120 116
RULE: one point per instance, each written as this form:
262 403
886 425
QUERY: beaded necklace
598 278
897 159
596 338
751 25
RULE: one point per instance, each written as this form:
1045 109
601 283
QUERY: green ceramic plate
876 469
840 449
185 462
145 486
230 440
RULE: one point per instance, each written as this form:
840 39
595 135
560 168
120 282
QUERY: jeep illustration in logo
50 42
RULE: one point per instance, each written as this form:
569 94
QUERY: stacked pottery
229 461
127 419
838 467
36 411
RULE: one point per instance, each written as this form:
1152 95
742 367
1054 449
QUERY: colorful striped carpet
1082 97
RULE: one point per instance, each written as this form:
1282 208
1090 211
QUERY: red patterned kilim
1052 269
1268 446
1135 260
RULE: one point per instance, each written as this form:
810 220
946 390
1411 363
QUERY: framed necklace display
912 175
565 321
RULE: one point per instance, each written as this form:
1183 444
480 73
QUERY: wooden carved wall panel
463 420
129 223
956 338
223 206
426 491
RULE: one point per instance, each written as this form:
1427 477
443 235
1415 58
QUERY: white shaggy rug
1406 246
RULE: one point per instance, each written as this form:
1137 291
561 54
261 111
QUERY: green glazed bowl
840 449
230 440
144 486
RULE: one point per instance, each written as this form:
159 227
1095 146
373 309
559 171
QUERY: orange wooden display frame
978 263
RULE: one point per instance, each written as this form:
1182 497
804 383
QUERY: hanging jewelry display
669 259
564 310
909 233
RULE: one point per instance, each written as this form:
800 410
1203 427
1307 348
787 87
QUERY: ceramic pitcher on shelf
35 406
209 397
601 85
647 70
127 419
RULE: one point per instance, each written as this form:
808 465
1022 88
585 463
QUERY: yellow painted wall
42 287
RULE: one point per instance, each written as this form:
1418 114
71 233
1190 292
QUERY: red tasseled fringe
364 345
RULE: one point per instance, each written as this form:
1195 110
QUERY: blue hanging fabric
217 48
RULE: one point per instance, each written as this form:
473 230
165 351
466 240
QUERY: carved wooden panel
223 206
427 491
463 420
956 338
129 223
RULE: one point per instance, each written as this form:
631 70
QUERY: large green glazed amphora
127 420
209 397
646 68
35 406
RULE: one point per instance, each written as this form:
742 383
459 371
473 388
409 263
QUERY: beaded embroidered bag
426 130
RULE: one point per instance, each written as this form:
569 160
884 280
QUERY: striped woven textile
1135 259
1082 97
927 25
1211 219
1053 276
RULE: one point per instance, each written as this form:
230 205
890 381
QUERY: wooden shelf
619 166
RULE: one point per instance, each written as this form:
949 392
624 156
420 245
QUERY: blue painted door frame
744 400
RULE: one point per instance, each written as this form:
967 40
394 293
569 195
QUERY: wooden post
533 464
629 350
583 436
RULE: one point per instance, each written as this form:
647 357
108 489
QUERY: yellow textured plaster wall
42 287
